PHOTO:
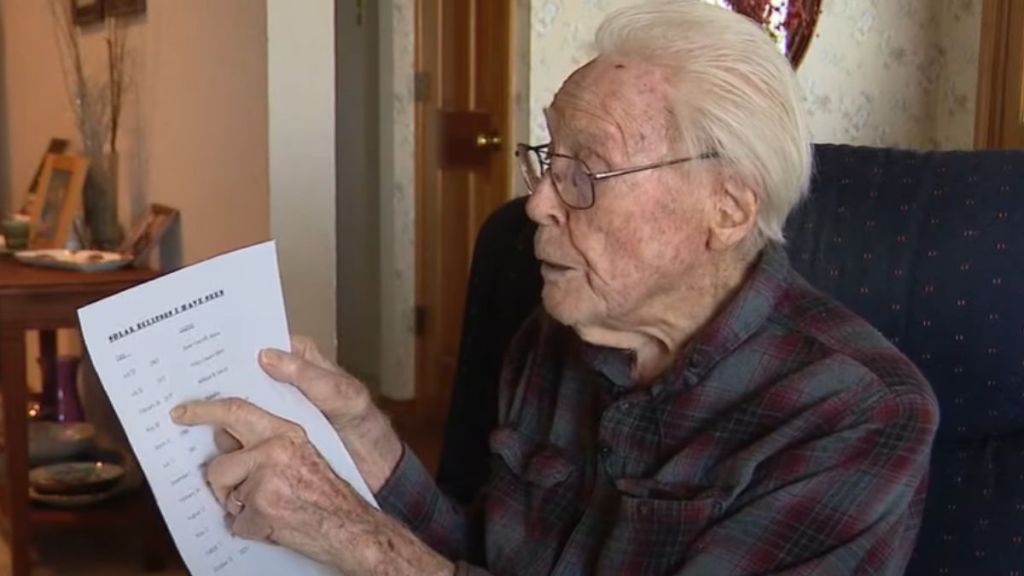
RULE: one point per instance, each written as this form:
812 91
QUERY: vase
69 406
100 202
48 398
60 400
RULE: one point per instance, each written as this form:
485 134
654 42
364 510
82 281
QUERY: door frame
513 122
998 38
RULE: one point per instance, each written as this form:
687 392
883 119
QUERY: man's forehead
612 95
615 74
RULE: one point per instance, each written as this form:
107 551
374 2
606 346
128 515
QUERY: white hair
735 94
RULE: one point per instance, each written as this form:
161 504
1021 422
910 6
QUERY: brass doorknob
490 141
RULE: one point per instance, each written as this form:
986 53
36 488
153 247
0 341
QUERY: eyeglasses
573 179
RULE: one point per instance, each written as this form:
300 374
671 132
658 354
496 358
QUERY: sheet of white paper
196 334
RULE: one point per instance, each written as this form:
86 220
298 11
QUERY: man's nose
544 206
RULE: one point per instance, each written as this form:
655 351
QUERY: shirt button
605 450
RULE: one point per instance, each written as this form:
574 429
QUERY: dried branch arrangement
97 103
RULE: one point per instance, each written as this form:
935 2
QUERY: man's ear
734 214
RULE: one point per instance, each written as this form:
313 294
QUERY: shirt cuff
410 493
463 569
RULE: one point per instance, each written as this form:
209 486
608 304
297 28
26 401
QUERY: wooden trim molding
997 30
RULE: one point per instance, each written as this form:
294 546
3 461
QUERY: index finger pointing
243 420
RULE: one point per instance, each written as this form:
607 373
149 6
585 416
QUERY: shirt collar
741 317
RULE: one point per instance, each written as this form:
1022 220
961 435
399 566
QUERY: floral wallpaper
878 72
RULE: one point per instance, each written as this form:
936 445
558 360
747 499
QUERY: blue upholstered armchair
929 248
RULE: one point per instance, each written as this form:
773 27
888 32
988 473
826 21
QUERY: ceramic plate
82 260
71 500
75 477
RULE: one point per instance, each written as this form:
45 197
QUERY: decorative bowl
75 477
53 441
72 500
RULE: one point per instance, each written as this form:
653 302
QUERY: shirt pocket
536 462
654 535
531 501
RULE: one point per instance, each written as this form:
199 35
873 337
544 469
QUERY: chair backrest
504 287
929 248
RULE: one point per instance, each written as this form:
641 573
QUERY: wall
301 92
194 132
36 106
958 39
215 126
878 72
195 129
358 203
894 73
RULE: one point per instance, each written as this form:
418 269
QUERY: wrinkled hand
345 401
276 487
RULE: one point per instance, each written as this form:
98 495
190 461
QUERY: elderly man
684 403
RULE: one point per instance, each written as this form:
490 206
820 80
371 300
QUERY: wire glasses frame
573 180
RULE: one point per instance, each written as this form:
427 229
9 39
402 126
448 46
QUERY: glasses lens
583 186
529 165
570 176
572 181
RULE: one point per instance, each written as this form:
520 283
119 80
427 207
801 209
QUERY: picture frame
147 231
58 200
117 8
85 12
56 146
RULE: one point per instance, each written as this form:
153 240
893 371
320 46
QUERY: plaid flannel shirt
790 438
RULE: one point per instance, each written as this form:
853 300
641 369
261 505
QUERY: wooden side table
42 299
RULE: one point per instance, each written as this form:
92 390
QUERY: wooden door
463 165
1000 106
